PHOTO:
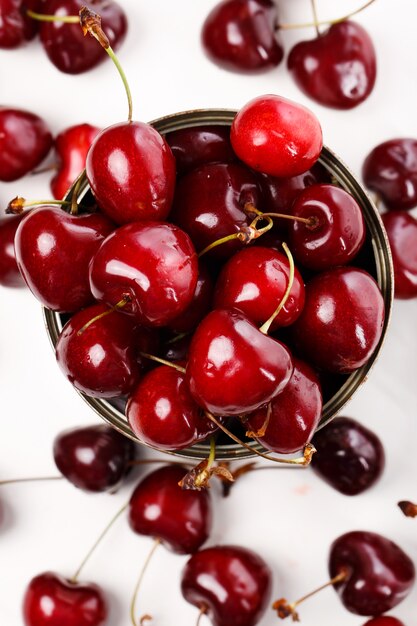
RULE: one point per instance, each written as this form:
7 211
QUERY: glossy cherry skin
341 323
200 304
401 229
391 170
180 518
349 456
379 573
93 458
53 251
100 360
71 148
384 620
338 230
295 413
241 35
154 263
131 170
15 27
254 281
231 583
338 68
25 140
276 136
232 367
51 600
199 145
9 272
65 44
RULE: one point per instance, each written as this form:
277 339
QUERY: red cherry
384 620
233 368
241 35
276 136
390 169
15 26
9 272
401 229
199 145
51 600
25 141
232 584
71 147
159 508
341 323
53 251
200 304
338 68
153 263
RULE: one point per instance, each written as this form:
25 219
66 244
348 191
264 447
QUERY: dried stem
138 585
15 481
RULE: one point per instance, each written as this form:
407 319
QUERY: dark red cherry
200 304
153 263
341 323
53 251
93 458
233 368
25 140
241 35
349 457
199 145
254 281
159 508
51 600
401 229
276 136
295 413
379 575
337 230
131 170
232 584
15 26
384 620
65 44
390 169
100 360
9 272
71 147
338 68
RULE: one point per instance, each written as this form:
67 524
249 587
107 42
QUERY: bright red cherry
379 575
233 368
349 457
199 145
15 26
93 458
159 508
390 169
9 272
384 620
341 323
338 68
25 140
401 229
200 304
242 35
53 251
230 583
51 600
276 136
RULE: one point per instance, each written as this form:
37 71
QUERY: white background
288 517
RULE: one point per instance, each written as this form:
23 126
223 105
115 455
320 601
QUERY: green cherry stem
15 481
41 17
316 24
157 359
203 611
125 300
246 234
265 327
315 16
152 551
18 204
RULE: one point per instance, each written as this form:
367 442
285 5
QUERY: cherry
341 323
51 600
231 584
233 368
200 304
180 519
53 250
99 357
9 272
242 35
338 68
153 263
294 413
390 169
254 281
384 620
15 26
93 458
401 229
71 147
337 230
199 145
350 457
276 136
25 140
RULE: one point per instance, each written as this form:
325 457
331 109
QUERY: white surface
288 517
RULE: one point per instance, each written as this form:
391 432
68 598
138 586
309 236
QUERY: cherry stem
41 17
203 611
245 235
74 197
265 327
262 430
16 206
157 359
44 170
316 24
30 480
310 221
98 541
91 23
113 309
176 338
212 456
315 16
138 584
219 242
